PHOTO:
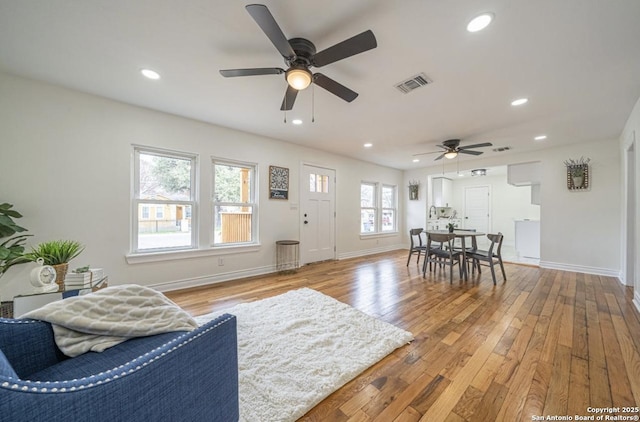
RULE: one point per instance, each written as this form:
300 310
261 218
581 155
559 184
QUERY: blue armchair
179 376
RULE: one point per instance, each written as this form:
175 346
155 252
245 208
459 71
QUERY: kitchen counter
441 223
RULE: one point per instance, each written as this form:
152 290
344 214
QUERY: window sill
377 235
145 257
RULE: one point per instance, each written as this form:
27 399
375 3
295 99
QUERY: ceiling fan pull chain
285 109
313 104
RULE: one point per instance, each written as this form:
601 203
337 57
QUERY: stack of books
83 280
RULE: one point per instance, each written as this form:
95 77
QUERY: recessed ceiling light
480 22
519 101
540 137
151 74
296 121
415 160
368 145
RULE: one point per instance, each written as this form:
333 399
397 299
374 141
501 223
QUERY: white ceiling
577 61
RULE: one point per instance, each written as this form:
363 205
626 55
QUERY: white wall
631 137
65 164
574 226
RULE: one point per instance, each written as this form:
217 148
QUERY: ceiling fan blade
439 157
347 48
289 99
230 73
334 87
466 151
427 153
486 144
269 26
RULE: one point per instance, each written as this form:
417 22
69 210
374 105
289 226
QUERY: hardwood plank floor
544 343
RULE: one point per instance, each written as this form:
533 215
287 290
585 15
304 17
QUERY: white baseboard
608 272
636 299
373 251
212 279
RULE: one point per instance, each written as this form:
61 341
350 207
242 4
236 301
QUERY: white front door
317 214
477 211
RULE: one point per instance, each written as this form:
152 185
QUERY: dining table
462 235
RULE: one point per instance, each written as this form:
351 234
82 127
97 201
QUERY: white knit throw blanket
105 318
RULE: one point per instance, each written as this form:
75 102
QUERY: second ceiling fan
452 149
300 55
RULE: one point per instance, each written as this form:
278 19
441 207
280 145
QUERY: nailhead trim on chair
58 386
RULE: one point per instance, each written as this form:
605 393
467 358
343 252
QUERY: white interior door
477 211
317 214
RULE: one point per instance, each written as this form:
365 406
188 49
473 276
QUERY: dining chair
457 243
416 244
491 256
442 254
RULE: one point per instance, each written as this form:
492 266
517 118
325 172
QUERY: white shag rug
297 348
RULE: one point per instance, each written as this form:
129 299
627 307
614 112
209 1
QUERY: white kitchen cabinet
524 174
442 191
535 194
442 223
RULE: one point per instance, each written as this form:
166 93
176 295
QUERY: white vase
577 181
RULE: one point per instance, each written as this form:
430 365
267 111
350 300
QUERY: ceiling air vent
412 83
501 149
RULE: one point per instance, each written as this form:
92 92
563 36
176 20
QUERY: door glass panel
312 183
318 183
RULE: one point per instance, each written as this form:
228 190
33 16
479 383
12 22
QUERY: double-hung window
368 207
378 208
164 200
388 203
235 205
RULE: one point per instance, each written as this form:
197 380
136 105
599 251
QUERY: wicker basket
61 273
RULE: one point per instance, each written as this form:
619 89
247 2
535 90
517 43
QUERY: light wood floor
544 343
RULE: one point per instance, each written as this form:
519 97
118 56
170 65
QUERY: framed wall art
278 182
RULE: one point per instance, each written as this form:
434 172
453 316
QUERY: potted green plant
11 249
451 227
57 253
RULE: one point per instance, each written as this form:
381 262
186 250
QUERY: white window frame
379 210
394 208
136 201
375 209
253 201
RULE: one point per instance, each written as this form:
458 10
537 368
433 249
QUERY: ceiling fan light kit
299 55
298 78
450 155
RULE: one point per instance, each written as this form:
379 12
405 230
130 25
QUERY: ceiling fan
299 55
451 149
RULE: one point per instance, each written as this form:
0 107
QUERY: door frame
303 184
630 263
